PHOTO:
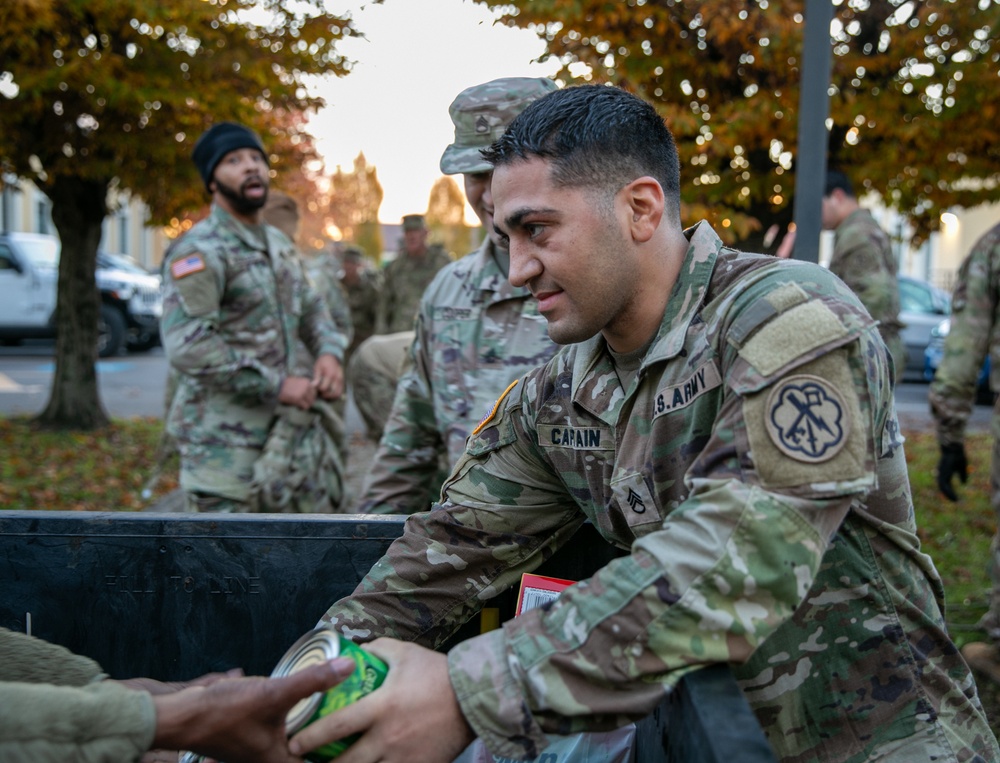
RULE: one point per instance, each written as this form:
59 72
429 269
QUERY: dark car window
917 297
6 258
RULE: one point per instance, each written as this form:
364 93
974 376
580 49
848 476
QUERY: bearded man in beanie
236 298
475 333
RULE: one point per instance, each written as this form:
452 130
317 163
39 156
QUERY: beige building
23 207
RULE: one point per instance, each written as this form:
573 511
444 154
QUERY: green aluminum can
322 645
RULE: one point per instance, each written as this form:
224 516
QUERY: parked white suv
131 303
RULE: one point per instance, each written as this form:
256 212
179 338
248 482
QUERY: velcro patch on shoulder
185 266
791 335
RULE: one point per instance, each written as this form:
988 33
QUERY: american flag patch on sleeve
193 263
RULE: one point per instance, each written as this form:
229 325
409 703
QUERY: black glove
952 462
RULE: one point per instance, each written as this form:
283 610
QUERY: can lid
315 647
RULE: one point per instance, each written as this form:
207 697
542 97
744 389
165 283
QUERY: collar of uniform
245 233
685 300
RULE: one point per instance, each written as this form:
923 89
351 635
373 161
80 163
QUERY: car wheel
110 332
143 342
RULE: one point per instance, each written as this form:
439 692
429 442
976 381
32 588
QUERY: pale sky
393 106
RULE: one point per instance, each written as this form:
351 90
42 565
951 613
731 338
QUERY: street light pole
814 107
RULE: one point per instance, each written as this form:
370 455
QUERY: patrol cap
282 211
481 113
217 141
353 253
413 222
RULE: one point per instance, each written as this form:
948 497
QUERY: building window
43 214
123 238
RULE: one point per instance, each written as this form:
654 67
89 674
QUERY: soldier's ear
644 201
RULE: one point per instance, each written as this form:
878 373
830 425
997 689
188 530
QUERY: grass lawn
107 471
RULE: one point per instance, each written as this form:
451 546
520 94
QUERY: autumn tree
354 200
446 216
913 95
102 92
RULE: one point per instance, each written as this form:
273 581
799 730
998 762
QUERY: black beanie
217 141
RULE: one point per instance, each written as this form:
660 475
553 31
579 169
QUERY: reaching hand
240 720
953 462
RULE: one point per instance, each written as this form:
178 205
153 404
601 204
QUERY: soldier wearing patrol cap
405 278
725 419
375 366
362 286
475 333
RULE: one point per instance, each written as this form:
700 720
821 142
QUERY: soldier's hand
328 377
298 391
953 462
414 717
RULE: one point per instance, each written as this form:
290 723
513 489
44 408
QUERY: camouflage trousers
372 375
990 622
217 478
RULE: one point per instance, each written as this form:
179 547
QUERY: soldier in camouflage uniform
403 282
362 288
862 258
475 333
235 299
726 418
405 278
975 331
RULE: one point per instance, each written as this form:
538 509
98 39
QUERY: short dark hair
836 179
594 135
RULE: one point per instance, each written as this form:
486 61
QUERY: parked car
131 303
922 308
934 353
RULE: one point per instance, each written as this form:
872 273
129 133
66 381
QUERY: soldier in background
236 298
362 286
862 258
405 278
475 333
377 363
975 323
727 419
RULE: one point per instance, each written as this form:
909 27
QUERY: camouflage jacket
328 287
862 258
755 471
475 334
231 316
403 283
975 330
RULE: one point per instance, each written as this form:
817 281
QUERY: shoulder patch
185 266
496 406
792 334
807 419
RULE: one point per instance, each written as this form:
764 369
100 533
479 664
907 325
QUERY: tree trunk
78 211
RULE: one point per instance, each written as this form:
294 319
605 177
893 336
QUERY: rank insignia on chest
807 419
